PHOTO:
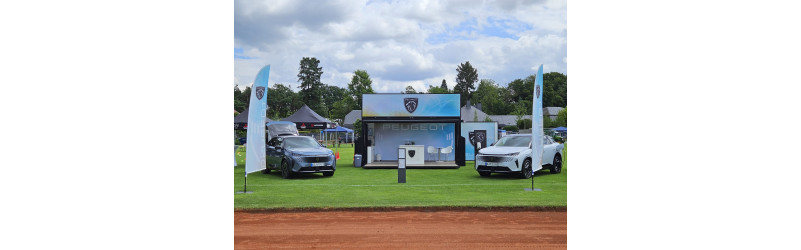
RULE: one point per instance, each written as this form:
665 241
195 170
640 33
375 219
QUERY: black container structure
426 125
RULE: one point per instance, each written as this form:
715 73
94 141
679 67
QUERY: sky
399 43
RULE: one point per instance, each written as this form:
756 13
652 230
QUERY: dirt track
401 229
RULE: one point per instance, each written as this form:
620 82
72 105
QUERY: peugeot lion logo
259 92
477 136
411 153
410 103
538 91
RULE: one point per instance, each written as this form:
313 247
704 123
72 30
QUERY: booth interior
426 125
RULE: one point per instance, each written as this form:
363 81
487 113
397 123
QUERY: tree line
335 102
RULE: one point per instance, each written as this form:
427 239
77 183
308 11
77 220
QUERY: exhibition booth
426 125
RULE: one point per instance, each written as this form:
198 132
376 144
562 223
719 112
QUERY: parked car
293 155
512 154
347 138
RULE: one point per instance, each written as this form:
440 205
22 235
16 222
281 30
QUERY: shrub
524 124
510 128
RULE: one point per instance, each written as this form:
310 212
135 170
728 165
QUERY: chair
447 151
431 150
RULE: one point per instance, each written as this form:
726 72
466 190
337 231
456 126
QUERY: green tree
244 98
444 85
466 78
239 106
494 100
519 112
281 101
360 84
561 118
309 74
331 95
437 90
554 90
524 123
409 90
357 128
341 109
521 90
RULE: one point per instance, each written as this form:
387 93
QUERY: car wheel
328 173
556 167
525 172
485 174
285 172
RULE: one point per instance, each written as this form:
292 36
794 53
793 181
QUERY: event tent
241 120
560 129
306 118
336 131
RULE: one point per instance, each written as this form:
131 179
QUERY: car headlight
513 154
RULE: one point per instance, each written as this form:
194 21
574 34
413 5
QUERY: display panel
388 136
475 132
410 105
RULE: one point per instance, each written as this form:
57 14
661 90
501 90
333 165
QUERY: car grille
491 158
493 169
315 159
314 169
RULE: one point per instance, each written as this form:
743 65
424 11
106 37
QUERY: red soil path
401 229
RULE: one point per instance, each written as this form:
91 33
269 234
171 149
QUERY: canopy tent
241 121
560 129
336 131
306 118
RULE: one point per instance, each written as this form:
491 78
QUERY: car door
273 152
548 150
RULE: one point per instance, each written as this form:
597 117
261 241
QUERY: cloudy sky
399 43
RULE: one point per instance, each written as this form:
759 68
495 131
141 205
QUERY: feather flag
256 158
536 124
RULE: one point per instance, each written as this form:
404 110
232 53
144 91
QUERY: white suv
512 154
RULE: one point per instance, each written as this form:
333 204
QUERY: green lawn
357 187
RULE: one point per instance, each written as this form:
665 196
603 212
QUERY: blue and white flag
256 159
536 124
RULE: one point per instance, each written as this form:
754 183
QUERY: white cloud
388 39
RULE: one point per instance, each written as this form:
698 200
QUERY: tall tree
360 84
309 74
444 85
410 90
280 101
238 104
494 100
244 97
555 90
466 78
332 94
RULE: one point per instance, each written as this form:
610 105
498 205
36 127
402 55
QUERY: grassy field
357 187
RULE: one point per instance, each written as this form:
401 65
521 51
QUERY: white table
419 154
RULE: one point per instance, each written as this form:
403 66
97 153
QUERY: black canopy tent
241 121
306 118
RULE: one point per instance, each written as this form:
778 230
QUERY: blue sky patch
238 54
470 30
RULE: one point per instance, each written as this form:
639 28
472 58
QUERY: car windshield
282 129
514 141
300 142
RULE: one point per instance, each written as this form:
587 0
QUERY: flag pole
536 124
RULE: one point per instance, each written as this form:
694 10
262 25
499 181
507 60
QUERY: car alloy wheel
285 170
525 172
556 167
